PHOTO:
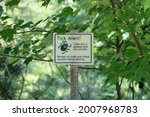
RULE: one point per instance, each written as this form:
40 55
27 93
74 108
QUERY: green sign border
75 63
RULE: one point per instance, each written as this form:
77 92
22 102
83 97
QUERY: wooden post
74 82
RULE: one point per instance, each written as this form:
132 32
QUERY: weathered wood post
73 82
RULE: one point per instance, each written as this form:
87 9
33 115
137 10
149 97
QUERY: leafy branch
118 45
116 2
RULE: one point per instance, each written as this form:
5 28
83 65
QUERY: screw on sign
64 46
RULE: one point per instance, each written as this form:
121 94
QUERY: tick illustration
64 46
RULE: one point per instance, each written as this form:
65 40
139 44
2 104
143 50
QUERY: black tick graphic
64 46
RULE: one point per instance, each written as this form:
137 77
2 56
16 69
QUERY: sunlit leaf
146 4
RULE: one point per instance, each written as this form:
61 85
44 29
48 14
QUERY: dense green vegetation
121 31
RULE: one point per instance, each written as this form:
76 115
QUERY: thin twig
121 81
22 85
63 75
31 31
89 68
121 44
42 92
68 81
7 70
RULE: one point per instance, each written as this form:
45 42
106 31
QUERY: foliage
122 48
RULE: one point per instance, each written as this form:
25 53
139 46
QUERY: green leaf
34 25
111 80
28 60
77 11
67 11
1 10
15 50
4 17
60 1
131 54
47 39
7 34
76 0
93 9
7 50
28 24
18 24
77 19
12 2
45 2
26 45
146 4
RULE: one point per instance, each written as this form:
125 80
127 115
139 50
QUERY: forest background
121 31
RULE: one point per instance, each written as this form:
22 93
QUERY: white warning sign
73 49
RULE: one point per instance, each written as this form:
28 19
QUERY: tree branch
42 92
118 4
31 31
63 75
89 68
137 43
24 57
121 82
7 69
